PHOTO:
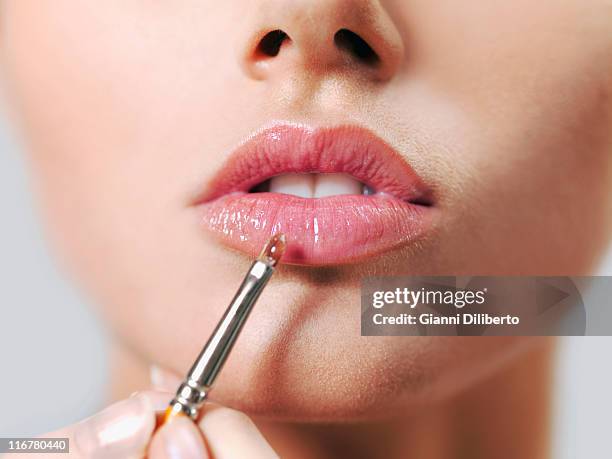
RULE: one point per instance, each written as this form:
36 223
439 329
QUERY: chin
324 371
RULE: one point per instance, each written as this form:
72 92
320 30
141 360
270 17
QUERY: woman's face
499 111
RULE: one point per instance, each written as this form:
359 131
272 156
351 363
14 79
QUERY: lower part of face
129 109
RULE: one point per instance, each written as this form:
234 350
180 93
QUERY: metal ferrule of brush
192 393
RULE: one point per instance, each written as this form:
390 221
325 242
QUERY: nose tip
353 36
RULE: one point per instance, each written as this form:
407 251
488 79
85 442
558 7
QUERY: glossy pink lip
320 231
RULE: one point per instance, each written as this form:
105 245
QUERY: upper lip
347 149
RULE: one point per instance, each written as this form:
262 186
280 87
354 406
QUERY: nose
356 37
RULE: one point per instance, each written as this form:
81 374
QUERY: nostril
355 45
271 43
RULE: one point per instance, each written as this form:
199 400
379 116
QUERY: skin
503 108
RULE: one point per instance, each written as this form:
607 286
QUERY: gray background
53 350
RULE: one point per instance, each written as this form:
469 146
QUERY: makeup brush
192 392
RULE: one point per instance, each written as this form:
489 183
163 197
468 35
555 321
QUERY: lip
320 231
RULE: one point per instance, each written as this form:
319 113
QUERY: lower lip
323 231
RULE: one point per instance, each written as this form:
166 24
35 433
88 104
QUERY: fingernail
121 430
178 439
162 379
156 376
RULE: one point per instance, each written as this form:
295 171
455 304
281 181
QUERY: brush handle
192 393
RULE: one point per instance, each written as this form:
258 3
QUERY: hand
127 430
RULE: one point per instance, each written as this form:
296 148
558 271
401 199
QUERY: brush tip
274 249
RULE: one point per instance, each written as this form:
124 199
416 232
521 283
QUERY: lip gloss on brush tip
192 392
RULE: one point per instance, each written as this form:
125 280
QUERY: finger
230 434
159 398
121 430
178 439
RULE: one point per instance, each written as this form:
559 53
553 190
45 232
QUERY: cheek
101 88
114 167
527 170
543 177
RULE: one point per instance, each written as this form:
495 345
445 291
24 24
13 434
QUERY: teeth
317 185
301 185
335 184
